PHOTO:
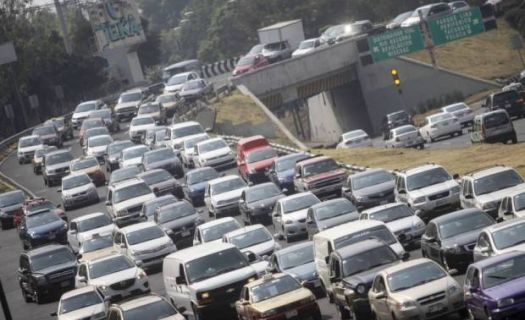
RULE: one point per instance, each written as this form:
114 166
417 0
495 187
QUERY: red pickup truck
320 175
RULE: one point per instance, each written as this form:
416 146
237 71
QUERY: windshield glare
381 233
108 266
84 107
368 260
273 288
260 155
455 107
144 235
29 142
498 181
251 238
133 191
509 237
213 145
75 182
262 192
52 258
228 185
175 211
371 179
427 178
299 203
392 213
80 301
464 224
320 167
201 176
217 231
503 271
93 223
414 276
215 264
296 258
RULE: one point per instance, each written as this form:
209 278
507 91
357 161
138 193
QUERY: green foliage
434 103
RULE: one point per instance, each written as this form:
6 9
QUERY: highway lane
10 247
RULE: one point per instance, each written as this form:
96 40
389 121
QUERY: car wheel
38 297
27 297
317 315
343 313
422 146
196 315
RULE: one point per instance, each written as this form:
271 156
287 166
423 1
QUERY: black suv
42 227
511 101
394 120
45 271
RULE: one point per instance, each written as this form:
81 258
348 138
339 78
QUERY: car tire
343 313
27 298
422 146
196 315
38 297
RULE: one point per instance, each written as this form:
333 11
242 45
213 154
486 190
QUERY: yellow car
91 167
275 297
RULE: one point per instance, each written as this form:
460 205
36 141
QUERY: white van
346 234
206 280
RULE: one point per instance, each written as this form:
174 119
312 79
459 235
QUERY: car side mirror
276 215
499 219
59 206
79 256
327 260
418 212
284 190
122 245
245 302
53 314
180 280
334 279
508 213
108 203
297 176
468 196
59 191
405 256
455 176
379 295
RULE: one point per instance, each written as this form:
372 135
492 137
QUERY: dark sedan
257 202
450 239
41 228
195 182
329 214
10 205
49 135
161 182
282 170
369 188
179 221
113 153
149 207
163 159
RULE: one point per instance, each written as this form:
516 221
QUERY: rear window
495 120
505 96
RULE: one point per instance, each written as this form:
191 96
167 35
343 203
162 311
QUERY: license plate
290 314
185 233
64 284
435 308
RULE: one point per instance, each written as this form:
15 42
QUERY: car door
379 305
277 218
72 236
182 290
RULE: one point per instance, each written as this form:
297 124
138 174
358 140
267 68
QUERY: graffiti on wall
116 23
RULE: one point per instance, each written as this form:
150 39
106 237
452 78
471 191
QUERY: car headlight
221 202
453 290
103 288
204 298
141 275
456 189
505 302
453 249
360 289
419 200
407 304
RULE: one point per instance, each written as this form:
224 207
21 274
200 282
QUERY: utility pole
428 41
65 36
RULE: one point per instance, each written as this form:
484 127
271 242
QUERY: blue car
42 227
195 183
282 171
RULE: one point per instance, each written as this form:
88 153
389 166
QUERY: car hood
436 188
115 277
143 127
215 153
68 265
426 289
269 202
94 150
403 223
296 215
283 300
366 277
57 166
259 165
83 313
233 194
462 239
127 105
174 87
384 187
508 289
223 280
31 148
325 175
261 247
102 231
303 272
76 190
45 228
499 194
78 115
335 221
180 222
191 92
151 244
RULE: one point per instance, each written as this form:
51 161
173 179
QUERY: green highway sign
457 26
395 43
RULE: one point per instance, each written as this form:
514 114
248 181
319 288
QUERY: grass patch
487 56
460 160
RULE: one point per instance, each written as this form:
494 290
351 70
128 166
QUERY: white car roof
138 226
404 127
383 207
489 171
199 251
139 302
244 230
76 292
222 179
100 136
88 216
503 225
105 257
127 183
348 228
294 196
29 137
210 141
184 124
405 265
141 146
216 222
74 175
421 168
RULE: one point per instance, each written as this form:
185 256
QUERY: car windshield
75 181
497 181
104 114
299 203
367 260
167 98
519 202
256 49
440 117
142 121
42 131
132 153
99 141
246 61
273 288
297 257
93 223
84 164
427 178
187 131
212 145
97 244
193 85
251 238
320 167
111 265
505 97
115 148
495 120
404 129
394 117
51 258
155 310
97 132
10 199
353 134
189 144
58 158
381 233
307 44
157 176
29 142
510 236
414 276
41 218
464 224
217 231
226 186
503 271
455 107
84 107
124 174
149 207
262 192
260 155
149 108
201 176
130 192
145 234
40 152
391 214
276 46
91 123
335 208
177 79
288 163
40 206
215 264
130 97
80 301
159 155
175 211
371 179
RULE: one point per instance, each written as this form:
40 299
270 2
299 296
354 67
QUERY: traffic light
395 77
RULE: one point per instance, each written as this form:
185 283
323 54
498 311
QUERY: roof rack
484 168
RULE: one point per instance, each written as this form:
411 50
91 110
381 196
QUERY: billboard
116 23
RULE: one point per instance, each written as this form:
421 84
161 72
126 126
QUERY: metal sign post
429 45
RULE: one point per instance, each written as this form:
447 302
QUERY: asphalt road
10 246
